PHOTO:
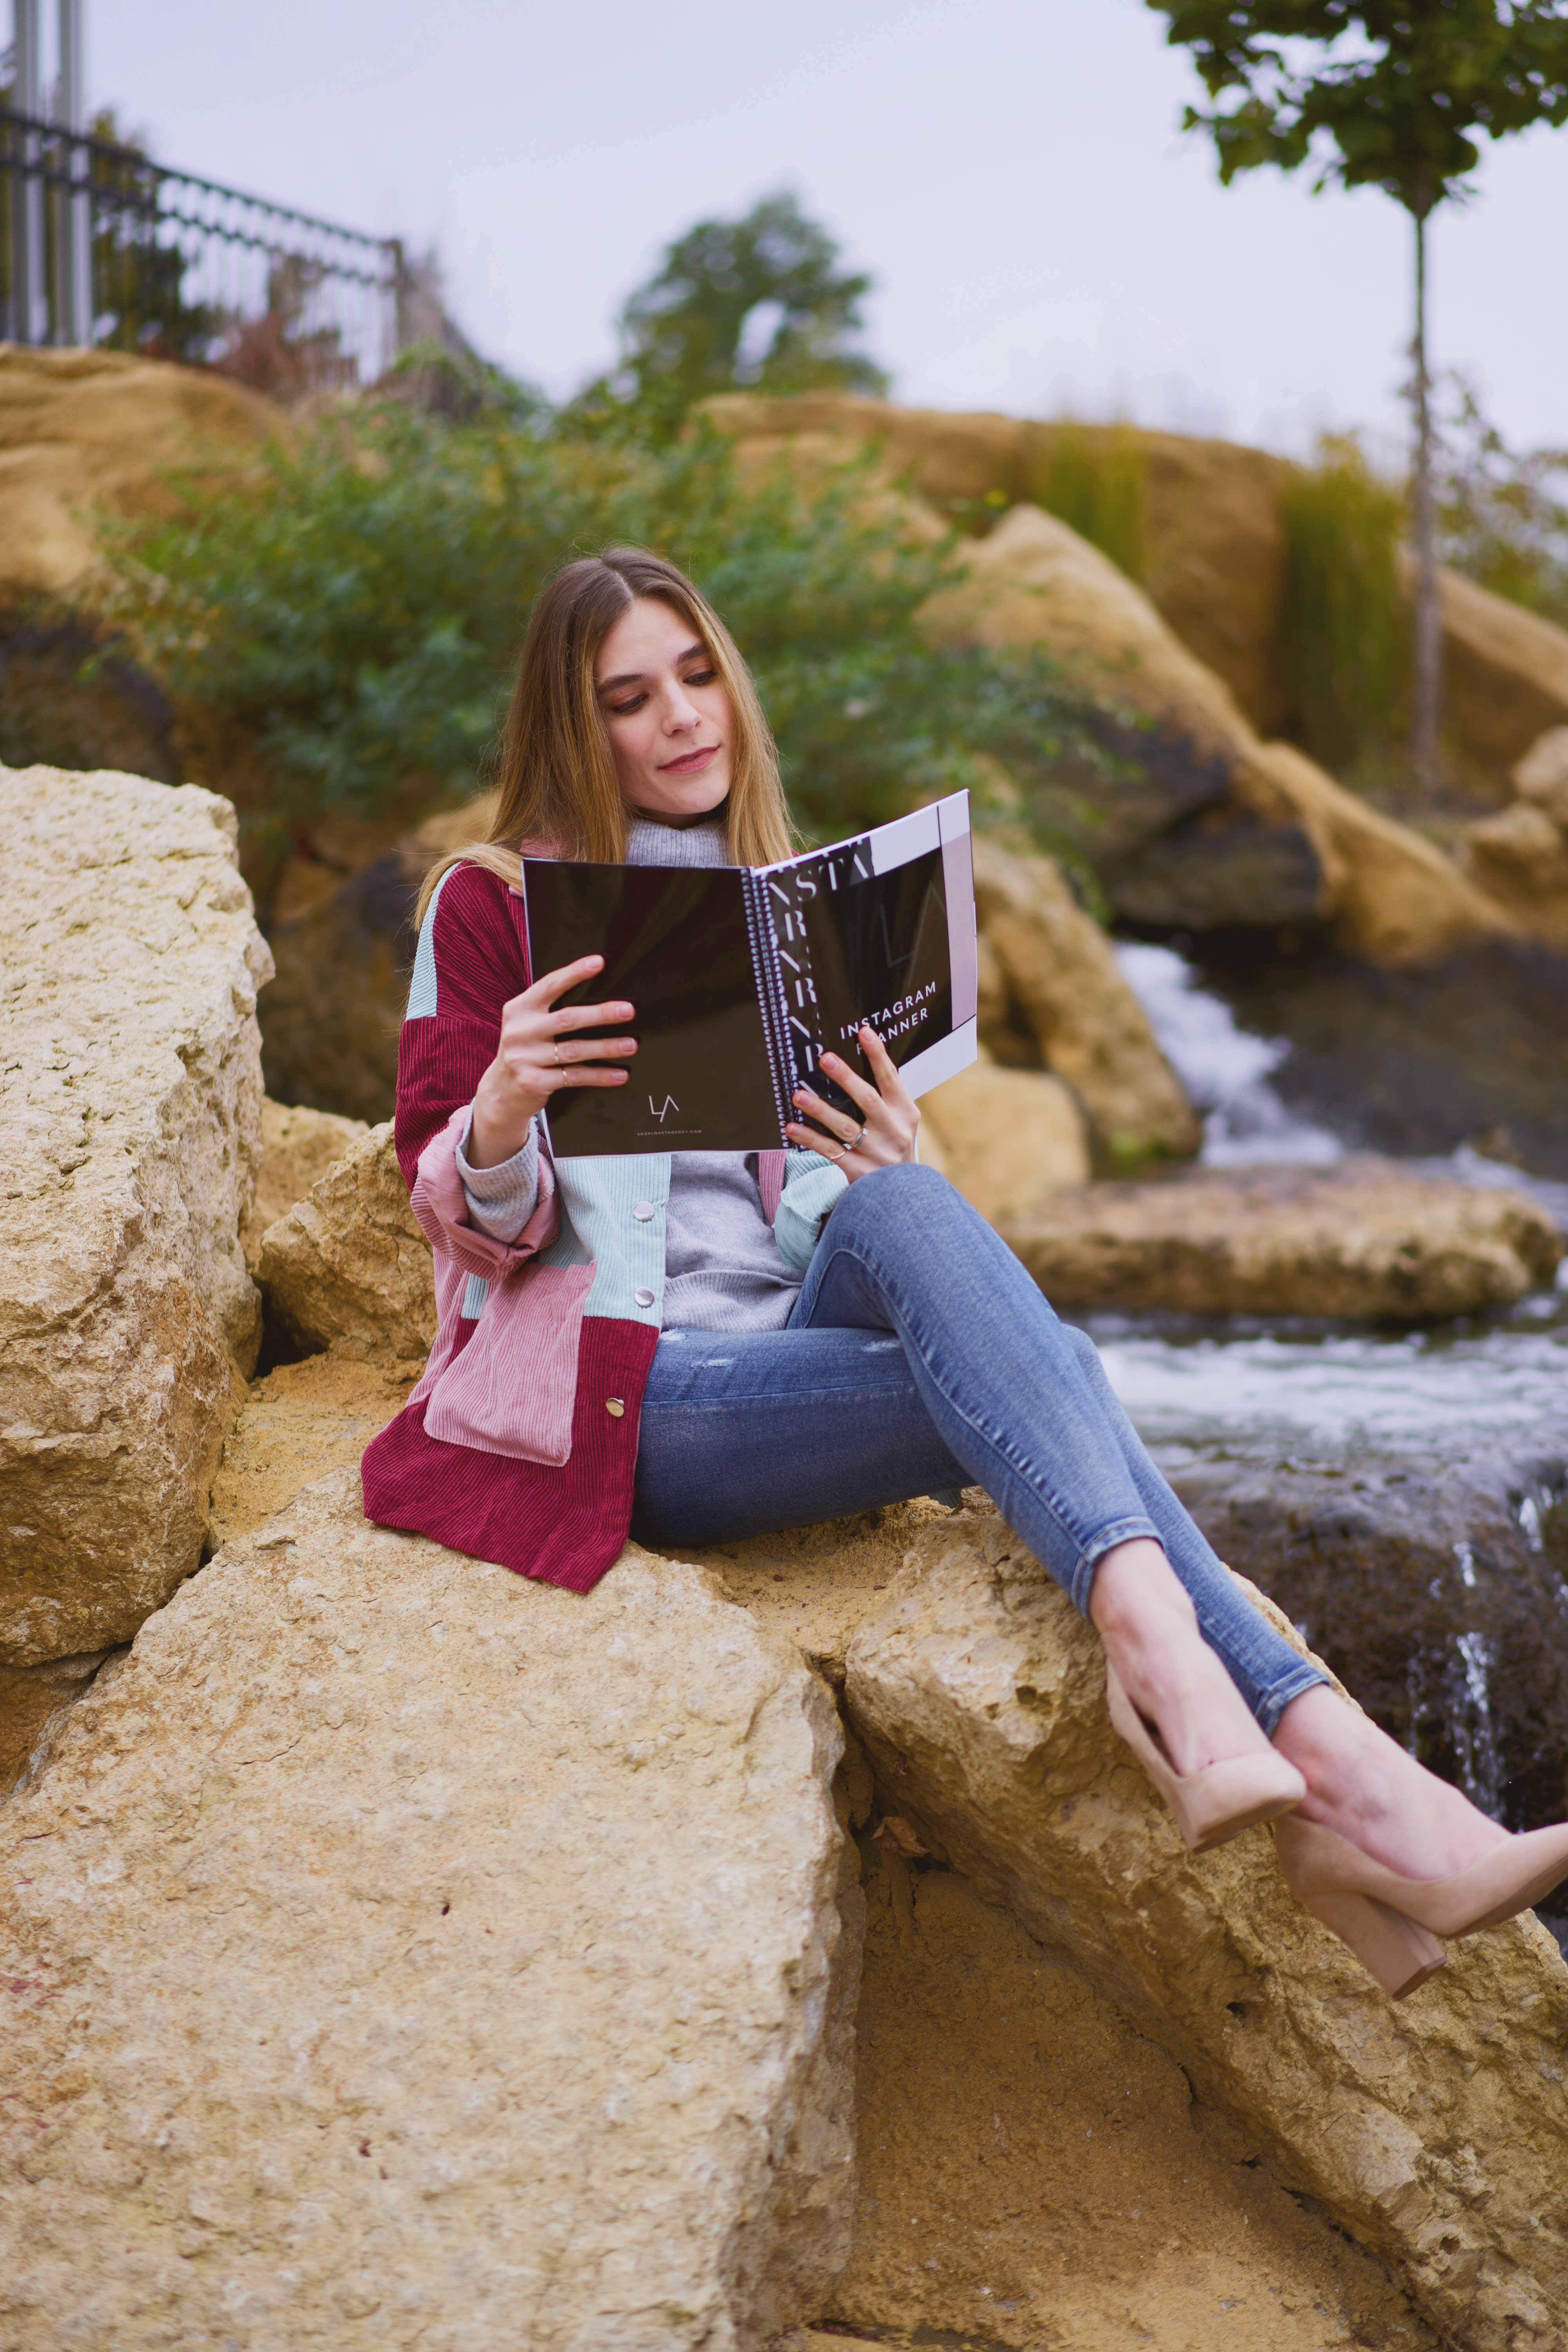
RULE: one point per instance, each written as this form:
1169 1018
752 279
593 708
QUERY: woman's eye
700 678
624 709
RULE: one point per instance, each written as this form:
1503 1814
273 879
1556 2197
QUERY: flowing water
1280 1391
1319 1403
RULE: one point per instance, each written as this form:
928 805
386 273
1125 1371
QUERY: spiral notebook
742 976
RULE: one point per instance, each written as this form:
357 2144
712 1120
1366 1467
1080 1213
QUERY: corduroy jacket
518 1443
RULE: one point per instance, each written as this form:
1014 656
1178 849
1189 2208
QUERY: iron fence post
29 293
73 301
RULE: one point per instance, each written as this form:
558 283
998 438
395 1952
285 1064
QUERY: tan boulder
1505 679
1034 581
33 1700
1396 899
1009 1139
1541 776
1212 545
1520 858
396 1947
349 1266
298 1147
82 429
299 1423
1362 1239
1434 2131
1049 972
129 1114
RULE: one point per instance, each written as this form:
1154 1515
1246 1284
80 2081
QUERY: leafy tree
756 305
1385 94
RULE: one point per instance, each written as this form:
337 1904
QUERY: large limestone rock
1505 677
1276 840
298 1147
81 428
1214 564
1009 1139
1214 549
1520 856
1058 983
129 1114
349 1266
1361 1239
399 1953
1435 2132
1541 776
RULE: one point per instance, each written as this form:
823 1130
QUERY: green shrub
1346 632
351 612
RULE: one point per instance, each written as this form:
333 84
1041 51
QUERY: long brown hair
557 772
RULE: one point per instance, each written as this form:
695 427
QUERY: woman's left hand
886 1129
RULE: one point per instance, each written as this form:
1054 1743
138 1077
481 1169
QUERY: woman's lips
691 764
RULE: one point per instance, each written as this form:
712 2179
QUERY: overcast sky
1010 172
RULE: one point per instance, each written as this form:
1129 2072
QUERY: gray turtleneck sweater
723 1269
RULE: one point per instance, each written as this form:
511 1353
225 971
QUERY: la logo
670 1104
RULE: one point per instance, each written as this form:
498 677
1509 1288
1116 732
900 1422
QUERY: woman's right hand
538 1054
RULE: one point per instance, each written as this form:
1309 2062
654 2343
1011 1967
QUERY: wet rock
298 1147
397 1951
1434 2138
1473 1049
1362 1239
69 697
1008 1139
349 1266
1054 984
1437 1590
131 1112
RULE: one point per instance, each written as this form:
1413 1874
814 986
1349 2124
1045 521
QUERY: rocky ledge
1364 1239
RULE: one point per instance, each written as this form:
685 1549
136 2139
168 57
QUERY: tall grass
1344 619
1092 477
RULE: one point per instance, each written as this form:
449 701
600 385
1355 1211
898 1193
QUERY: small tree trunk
1426 701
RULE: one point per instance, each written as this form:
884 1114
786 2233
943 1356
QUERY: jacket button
643 1297
613 1405
644 1211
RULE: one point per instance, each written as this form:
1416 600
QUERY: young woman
710 1344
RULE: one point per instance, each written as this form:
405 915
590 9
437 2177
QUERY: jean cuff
1273 1702
1119 1531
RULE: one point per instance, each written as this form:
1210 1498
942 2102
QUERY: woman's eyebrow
637 676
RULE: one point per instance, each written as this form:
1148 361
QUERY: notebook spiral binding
770 995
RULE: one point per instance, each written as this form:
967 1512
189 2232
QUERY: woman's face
667 713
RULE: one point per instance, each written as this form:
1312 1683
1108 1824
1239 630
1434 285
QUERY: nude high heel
1393 1948
1222 1799
1320 1868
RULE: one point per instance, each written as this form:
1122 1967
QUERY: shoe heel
1390 1947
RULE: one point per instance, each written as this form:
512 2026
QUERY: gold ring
555 1049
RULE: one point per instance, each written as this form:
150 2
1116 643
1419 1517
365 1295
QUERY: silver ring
555 1049
847 1148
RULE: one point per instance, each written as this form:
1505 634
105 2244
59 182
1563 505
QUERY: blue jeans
920 1356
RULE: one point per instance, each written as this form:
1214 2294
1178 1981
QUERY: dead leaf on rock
894 1835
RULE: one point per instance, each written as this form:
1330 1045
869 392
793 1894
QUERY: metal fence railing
98 244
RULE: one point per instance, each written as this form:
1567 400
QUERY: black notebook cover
741 977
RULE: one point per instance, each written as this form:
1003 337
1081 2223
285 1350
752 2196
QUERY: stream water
1278 1391
1404 1494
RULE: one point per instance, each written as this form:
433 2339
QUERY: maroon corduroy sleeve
481 963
